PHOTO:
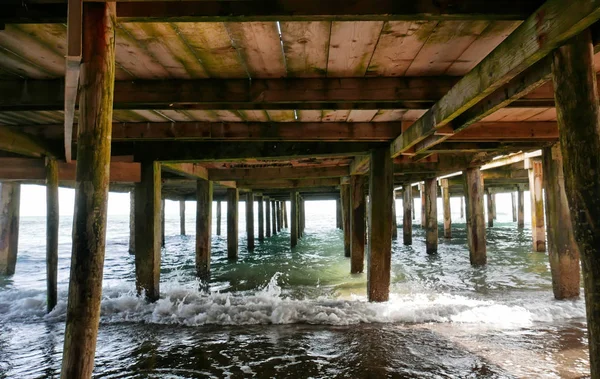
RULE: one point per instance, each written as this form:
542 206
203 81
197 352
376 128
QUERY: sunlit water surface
298 313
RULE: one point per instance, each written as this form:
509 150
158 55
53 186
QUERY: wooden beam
188 170
267 173
54 11
508 131
545 30
289 183
15 141
360 165
73 64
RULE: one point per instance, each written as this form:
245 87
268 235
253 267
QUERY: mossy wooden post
563 251
278 204
91 189
219 217
407 203
285 216
250 220
338 213
162 223
261 218
357 220
233 197
147 230
446 208
431 229
10 194
575 91
345 201
538 229
394 217
52 224
182 217
267 216
493 197
423 217
473 182
520 207
274 217
132 222
490 212
379 256
513 203
294 218
204 196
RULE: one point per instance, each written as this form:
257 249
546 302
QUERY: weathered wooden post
302 221
538 230
182 217
338 213
493 197
563 251
575 92
357 220
431 228
261 218
462 207
274 217
394 218
10 195
132 222
407 203
218 217
345 200
447 209
278 204
52 223
473 181
148 230
513 203
285 216
423 212
204 196
490 211
91 187
268 216
294 220
250 220
521 207
379 257
233 197
162 223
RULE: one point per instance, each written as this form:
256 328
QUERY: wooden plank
351 47
14 141
282 115
288 183
134 58
358 115
259 45
306 47
508 131
266 173
335 115
188 170
555 21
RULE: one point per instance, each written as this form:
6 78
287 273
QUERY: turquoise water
298 313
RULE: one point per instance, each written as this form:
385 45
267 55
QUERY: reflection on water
279 312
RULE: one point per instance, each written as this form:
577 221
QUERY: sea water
298 313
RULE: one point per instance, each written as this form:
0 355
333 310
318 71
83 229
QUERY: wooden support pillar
521 208
538 229
261 218
563 251
233 197
423 217
357 220
431 228
274 217
285 216
278 204
575 92
268 216
513 203
414 210
204 196
294 218
52 224
250 220
132 222
10 195
490 206
462 207
381 183
407 203
147 230
493 197
182 217
219 217
91 189
447 209
345 199
473 181
301 217
394 218
338 213
162 223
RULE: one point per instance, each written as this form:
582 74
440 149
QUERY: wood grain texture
351 47
306 47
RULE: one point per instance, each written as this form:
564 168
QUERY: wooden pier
361 103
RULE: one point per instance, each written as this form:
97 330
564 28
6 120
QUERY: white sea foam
186 305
